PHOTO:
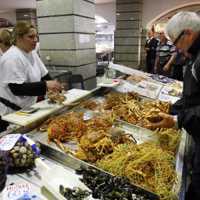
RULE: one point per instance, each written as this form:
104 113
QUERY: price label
15 191
8 142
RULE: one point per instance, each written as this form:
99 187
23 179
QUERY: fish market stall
106 125
150 85
75 146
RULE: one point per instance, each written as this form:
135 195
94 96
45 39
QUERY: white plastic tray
45 108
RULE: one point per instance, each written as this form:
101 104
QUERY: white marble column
26 15
67 35
128 33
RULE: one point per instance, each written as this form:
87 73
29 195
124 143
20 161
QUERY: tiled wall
128 32
26 15
143 53
67 36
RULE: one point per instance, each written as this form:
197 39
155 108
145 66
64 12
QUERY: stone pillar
128 33
143 52
67 36
26 15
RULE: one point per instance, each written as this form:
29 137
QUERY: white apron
17 66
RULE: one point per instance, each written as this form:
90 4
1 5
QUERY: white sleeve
41 65
12 71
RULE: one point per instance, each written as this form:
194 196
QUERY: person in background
23 75
5 41
5 44
165 55
150 48
184 30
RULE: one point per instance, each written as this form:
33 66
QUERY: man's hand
166 68
155 69
167 121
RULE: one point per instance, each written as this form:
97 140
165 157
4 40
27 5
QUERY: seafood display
56 97
107 187
146 165
130 108
95 137
74 194
149 165
21 156
89 104
169 139
98 141
105 131
66 127
97 144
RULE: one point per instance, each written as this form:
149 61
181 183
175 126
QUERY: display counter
63 152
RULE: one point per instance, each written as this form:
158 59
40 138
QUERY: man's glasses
179 37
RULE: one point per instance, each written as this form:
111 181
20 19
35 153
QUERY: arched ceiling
165 16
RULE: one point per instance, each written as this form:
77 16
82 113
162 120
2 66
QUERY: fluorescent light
100 20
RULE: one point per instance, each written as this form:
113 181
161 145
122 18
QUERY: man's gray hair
180 22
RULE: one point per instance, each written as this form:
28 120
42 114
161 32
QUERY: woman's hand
54 85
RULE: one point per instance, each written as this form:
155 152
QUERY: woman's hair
6 37
21 28
182 21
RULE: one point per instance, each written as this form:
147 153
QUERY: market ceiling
16 4
103 1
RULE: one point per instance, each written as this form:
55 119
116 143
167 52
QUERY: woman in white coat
5 41
23 75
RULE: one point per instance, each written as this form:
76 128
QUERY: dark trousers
160 71
177 72
150 64
194 188
3 125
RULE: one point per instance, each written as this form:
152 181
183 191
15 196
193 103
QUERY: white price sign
14 192
84 38
8 142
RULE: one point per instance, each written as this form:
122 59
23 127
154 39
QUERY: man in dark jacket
150 47
184 30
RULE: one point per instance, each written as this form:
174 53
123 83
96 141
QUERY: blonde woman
23 75
5 41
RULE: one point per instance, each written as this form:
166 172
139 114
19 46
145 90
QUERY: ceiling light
100 20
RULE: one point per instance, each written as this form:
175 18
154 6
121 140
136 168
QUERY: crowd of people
162 56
